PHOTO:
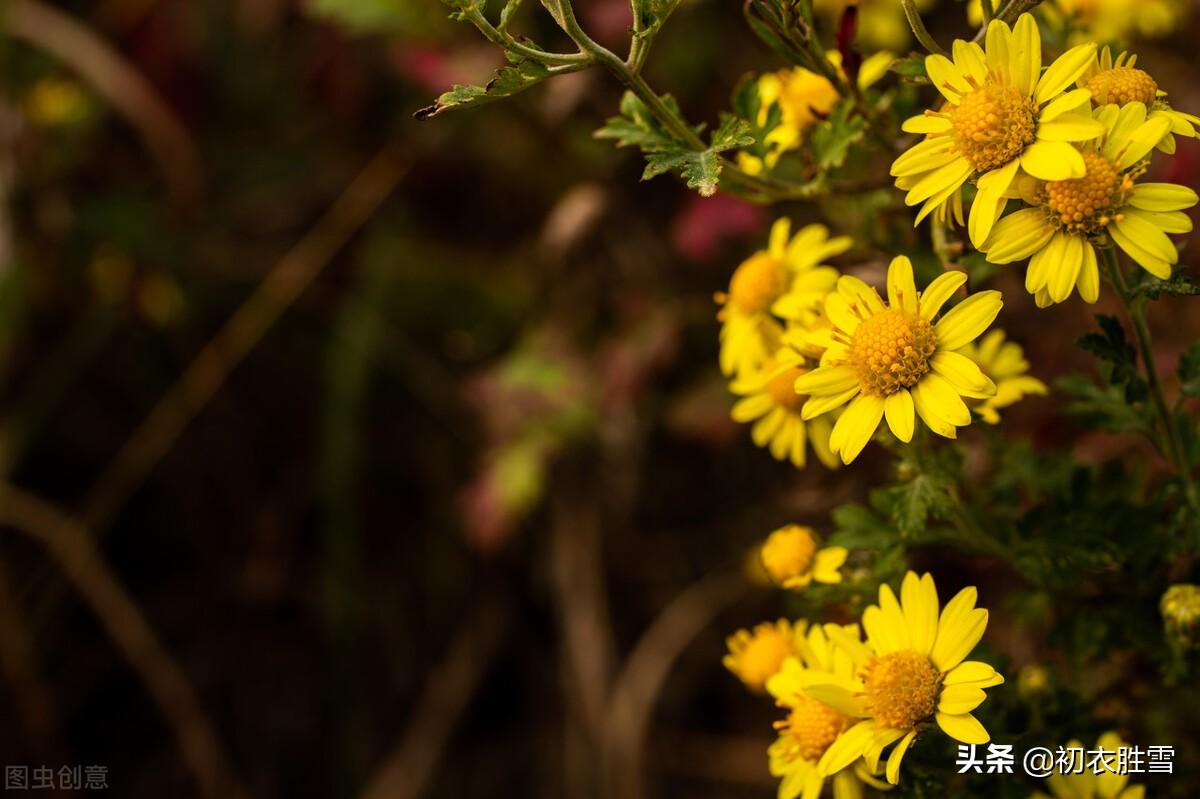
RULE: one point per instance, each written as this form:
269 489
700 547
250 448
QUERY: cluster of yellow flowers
850 699
821 357
1069 144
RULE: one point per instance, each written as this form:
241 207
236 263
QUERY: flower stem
1171 443
918 27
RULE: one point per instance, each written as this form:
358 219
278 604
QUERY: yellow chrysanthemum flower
771 403
805 98
749 334
1002 113
891 359
1106 202
794 558
1090 785
811 727
1121 82
911 672
1004 362
757 655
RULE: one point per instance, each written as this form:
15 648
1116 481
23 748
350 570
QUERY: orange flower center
782 389
992 125
788 552
812 728
901 688
890 351
1122 85
756 283
1085 205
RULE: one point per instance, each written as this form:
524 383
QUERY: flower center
788 552
890 350
992 125
782 389
1084 205
813 727
1122 85
902 688
756 283
763 655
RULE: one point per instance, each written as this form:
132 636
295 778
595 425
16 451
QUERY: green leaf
701 169
747 103
508 81
1180 284
1103 407
649 15
830 141
1189 371
912 67
1111 346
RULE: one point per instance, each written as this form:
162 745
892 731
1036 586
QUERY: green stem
988 11
505 40
1172 442
918 28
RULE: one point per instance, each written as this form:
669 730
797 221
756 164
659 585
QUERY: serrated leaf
1111 346
1180 284
831 140
747 103
1189 371
649 15
701 169
508 81
1102 407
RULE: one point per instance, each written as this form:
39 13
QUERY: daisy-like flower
1108 784
1121 82
1002 113
805 99
770 401
758 654
1004 362
749 334
811 727
912 672
892 358
1070 216
793 558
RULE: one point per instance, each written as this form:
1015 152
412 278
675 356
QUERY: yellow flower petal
1078 100
848 747
827 380
940 290
1071 127
965 728
1025 50
1162 197
925 156
897 756
1018 236
972 671
838 309
901 288
855 426
1062 275
1053 160
946 77
823 404
970 60
954 173
919 602
996 45
958 637
1064 71
990 201
1089 275
965 321
958 699
901 417
963 373
926 123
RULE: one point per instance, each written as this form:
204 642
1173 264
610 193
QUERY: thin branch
72 547
212 366
405 772
637 688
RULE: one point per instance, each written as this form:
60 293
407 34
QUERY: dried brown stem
70 544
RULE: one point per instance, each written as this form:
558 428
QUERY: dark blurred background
350 455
